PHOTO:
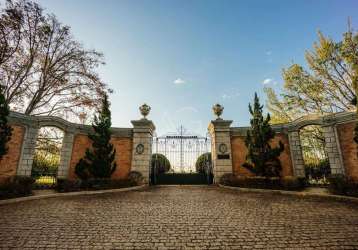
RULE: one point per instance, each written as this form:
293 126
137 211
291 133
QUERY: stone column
142 147
296 153
66 154
333 149
28 151
219 130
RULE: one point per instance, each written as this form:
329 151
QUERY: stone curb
293 193
69 194
182 185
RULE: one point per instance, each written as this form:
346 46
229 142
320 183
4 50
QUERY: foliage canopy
329 85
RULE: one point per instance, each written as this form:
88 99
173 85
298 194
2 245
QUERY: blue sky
181 57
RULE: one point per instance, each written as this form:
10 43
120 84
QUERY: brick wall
239 152
10 161
123 155
348 149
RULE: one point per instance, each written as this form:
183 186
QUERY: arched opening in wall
315 158
47 157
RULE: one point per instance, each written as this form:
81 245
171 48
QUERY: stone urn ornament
144 110
218 110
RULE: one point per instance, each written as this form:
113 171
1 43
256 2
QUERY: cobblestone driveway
179 217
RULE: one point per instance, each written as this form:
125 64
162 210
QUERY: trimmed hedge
91 184
16 186
134 179
160 163
283 183
341 185
203 162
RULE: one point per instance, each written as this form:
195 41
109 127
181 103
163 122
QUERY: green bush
92 184
293 183
285 183
203 163
16 186
105 183
160 163
228 180
341 185
318 171
64 185
136 178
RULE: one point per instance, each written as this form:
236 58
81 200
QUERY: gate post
66 154
28 150
333 149
296 153
219 130
142 147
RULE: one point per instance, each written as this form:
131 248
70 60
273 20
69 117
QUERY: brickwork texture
338 131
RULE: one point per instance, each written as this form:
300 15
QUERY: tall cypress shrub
99 162
5 129
355 103
261 159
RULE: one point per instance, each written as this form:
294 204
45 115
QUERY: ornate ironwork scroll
182 149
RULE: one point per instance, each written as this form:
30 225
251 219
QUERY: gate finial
218 110
144 110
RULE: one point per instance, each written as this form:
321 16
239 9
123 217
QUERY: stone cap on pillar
219 125
143 125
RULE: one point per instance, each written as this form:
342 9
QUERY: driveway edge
78 193
293 193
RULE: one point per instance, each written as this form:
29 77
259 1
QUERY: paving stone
180 217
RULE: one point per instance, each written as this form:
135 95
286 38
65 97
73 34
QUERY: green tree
349 50
5 129
100 161
329 84
261 159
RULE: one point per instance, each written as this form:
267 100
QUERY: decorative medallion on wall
139 149
222 148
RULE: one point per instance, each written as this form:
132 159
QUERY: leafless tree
49 72
10 34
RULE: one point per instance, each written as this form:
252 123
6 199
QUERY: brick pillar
28 150
296 153
220 148
333 149
66 153
142 147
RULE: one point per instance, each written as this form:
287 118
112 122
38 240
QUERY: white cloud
179 81
188 109
225 96
268 81
230 96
